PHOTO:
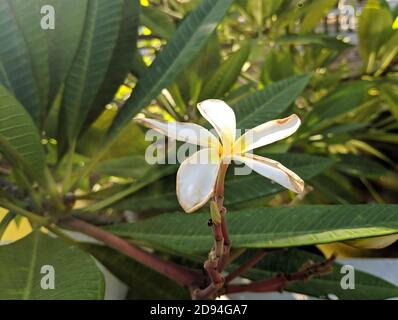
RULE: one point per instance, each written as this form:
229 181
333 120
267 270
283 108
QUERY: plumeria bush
196 148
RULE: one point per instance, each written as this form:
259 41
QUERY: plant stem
246 266
280 281
69 167
220 251
173 271
34 218
90 166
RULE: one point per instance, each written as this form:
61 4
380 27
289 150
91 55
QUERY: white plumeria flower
197 175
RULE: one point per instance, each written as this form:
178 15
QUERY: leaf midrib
32 265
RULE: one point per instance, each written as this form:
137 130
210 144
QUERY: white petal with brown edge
196 179
222 118
181 131
273 170
267 133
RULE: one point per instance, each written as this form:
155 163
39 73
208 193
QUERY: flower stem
173 271
218 256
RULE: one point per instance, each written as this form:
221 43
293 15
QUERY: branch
246 266
182 275
280 281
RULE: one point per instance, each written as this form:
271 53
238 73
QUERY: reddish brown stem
279 282
227 243
180 274
218 240
246 266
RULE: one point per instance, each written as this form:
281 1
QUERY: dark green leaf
264 105
226 75
121 61
265 227
184 46
158 21
143 283
23 61
90 65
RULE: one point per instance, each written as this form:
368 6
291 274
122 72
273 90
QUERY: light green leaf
90 65
19 139
390 95
265 227
184 46
314 13
367 286
226 75
264 105
76 275
374 27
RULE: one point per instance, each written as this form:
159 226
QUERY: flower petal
273 170
196 179
222 118
181 131
267 133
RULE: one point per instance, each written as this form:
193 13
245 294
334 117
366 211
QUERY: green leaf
248 187
5 221
19 140
226 75
158 21
90 65
24 61
374 27
388 51
390 95
361 166
333 187
313 39
277 66
261 9
314 13
184 46
76 275
64 40
121 61
260 106
342 100
237 188
265 227
144 283
367 286
131 166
